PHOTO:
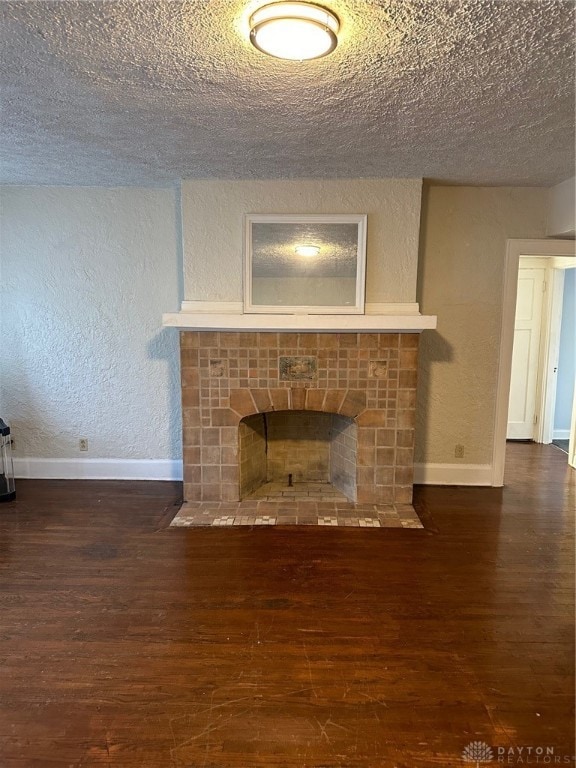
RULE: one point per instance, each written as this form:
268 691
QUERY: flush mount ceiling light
307 250
295 31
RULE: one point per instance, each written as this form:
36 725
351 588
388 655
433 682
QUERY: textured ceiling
477 91
274 254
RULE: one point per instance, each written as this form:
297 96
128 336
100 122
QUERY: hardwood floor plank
127 644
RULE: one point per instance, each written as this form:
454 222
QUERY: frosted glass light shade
294 30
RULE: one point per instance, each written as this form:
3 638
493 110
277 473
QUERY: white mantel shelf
382 322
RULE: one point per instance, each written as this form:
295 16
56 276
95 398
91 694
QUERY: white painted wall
567 358
86 275
562 209
212 216
464 233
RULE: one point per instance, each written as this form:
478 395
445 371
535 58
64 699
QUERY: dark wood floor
127 644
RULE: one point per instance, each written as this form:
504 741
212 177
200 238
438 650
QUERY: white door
525 354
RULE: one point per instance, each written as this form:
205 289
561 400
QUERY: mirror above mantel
312 264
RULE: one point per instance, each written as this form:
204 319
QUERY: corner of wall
562 209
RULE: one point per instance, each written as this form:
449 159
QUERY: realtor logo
477 752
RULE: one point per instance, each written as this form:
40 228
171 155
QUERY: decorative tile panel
218 368
298 368
378 369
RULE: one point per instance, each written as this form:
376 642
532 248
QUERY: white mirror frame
260 218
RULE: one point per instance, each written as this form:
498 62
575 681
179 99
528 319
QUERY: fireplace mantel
228 316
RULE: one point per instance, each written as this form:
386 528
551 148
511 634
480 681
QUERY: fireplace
335 408
297 455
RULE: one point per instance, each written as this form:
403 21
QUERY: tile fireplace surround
361 385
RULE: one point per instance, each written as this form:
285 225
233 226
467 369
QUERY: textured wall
567 357
212 213
463 244
562 209
86 275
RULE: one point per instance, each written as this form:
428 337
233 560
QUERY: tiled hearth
300 512
240 391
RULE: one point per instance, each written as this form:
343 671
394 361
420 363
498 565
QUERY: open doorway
542 377
517 249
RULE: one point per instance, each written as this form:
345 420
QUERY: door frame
549 342
514 249
549 380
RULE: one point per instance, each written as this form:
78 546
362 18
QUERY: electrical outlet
459 451
83 444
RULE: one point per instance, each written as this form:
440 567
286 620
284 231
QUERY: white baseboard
171 469
98 469
453 474
561 434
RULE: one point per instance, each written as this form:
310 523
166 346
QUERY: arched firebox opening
297 455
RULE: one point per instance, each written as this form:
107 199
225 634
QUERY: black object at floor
7 485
